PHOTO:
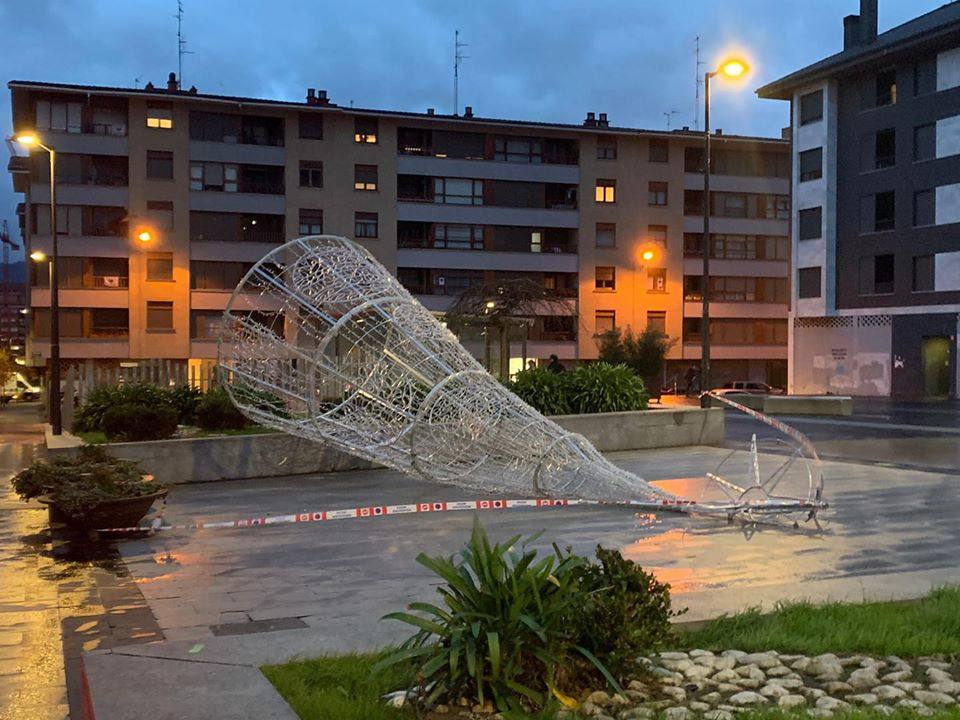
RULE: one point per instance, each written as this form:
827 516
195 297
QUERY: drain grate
258 626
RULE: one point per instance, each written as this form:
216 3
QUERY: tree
644 353
7 369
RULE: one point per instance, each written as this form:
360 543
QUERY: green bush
89 416
260 399
543 389
79 484
216 411
601 387
184 399
625 613
131 422
504 632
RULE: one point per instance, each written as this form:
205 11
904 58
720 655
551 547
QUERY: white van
19 389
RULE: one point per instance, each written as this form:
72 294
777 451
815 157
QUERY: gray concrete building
876 210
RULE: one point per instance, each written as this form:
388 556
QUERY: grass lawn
96 437
345 688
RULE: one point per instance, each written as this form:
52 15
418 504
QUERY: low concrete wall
651 429
808 405
271 454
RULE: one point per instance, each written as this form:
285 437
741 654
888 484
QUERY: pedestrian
689 376
555 365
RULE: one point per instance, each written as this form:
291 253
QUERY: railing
110 281
106 332
94 179
261 187
118 129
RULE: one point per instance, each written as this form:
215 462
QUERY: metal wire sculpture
321 341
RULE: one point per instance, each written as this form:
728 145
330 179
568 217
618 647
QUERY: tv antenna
697 83
669 115
457 57
181 45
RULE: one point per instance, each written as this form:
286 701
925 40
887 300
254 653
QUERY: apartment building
876 198
446 202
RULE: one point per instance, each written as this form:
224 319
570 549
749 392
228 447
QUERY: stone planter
116 513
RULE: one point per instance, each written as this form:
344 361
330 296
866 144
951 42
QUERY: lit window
657 280
536 242
605 278
606 191
365 130
160 118
365 177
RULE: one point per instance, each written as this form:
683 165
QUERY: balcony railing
102 179
110 281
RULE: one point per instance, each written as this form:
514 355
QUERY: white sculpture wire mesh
321 341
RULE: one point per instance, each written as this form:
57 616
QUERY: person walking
555 365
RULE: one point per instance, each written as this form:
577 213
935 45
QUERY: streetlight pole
707 245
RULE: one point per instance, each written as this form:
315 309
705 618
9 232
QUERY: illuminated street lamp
732 68
30 141
144 236
38 256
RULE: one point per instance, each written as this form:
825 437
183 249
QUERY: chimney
172 84
311 96
602 122
868 21
591 120
468 111
149 87
192 90
851 31
718 131
686 128
322 98
429 111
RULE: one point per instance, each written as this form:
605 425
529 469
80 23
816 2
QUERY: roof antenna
697 83
136 81
669 115
457 57
181 45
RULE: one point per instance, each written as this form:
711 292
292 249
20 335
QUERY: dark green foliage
643 353
601 387
78 484
625 612
184 399
132 423
216 411
504 630
259 399
593 388
89 416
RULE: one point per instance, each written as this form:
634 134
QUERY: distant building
13 326
444 201
876 210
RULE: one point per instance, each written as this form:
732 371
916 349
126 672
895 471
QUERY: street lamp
31 140
732 68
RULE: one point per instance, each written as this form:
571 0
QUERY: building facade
876 198
446 202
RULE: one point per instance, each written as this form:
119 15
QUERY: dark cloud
537 59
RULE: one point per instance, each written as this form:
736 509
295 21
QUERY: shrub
543 389
504 632
184 399
79 484
216 411
644 353
89 416
260 399
131 422
625 613
601 387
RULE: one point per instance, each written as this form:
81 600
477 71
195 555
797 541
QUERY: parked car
19 389
747 387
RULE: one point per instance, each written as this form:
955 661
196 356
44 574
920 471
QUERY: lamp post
30 140
731 69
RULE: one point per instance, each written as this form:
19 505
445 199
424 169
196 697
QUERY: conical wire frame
321 341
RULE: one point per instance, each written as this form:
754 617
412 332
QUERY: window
925 76
160 214
925 142
159 165
213 176
604 321
606 235
657 280
365 225
365 130
536 241
659 150
215 275
811 164
59 116
811 221
657 321
236 227
518 150
886 87
69 219
311 174
738 247
924 267
311 222
458 237
215 127
457 191
885 148
883 213
657 193
365 177
924 208
605 277
606 191
737 331
311 125
811 107
808 282
657 234
107 322
730 204
159 316
160 118
876 275
606 149
159 266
